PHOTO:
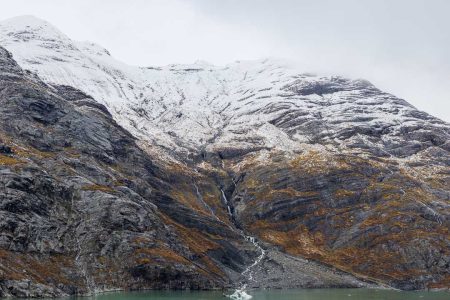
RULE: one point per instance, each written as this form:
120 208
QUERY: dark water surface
310 294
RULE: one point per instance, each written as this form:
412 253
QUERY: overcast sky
402 46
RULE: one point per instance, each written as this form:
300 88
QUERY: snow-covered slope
241 106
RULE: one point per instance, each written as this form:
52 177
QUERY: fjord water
309 294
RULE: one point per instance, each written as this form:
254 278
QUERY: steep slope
324 168
76 217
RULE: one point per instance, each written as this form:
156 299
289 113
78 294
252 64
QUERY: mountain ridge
160 104
334 179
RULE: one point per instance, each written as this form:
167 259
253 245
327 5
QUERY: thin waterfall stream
241 293
82 266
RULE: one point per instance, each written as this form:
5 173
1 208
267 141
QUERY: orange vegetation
8 160
98 187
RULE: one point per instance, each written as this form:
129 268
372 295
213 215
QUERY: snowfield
182 109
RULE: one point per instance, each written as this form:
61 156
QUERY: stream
240 293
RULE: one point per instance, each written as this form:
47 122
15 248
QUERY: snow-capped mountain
242 106
251 174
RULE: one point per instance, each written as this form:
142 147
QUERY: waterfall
226 203
82 266
90 285
240 293
258 259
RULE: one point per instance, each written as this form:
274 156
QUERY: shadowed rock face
85 206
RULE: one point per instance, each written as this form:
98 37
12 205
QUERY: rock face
78 199
371 217
118 177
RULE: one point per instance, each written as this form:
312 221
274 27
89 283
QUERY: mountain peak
29 22
30 28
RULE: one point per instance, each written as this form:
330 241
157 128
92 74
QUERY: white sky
402 46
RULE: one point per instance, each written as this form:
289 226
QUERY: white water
226 203
258 259
82 265
90 285
240 293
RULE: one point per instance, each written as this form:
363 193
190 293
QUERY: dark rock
5 149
